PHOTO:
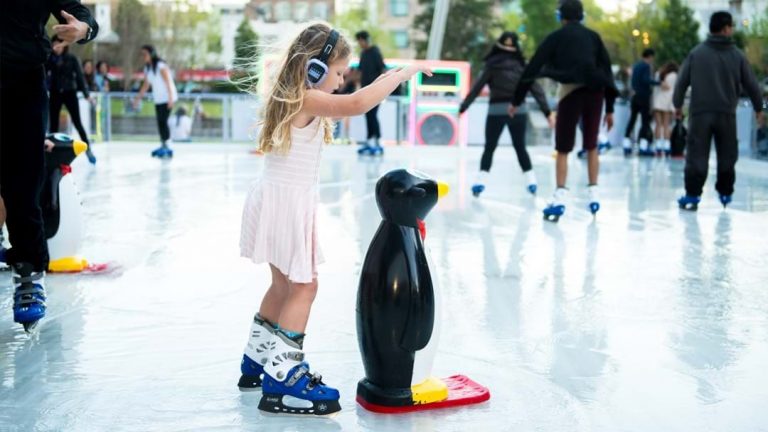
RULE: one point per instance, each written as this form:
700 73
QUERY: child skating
279 224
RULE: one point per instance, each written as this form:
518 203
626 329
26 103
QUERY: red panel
461 391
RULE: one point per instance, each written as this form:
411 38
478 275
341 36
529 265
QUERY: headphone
317 67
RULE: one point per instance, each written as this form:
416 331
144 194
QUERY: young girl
279 224
663 110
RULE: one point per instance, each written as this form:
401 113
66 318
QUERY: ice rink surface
641 319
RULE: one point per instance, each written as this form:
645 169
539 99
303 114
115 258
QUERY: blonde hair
286 96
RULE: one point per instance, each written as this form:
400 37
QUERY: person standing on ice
279 222
576 57
504 65
717 73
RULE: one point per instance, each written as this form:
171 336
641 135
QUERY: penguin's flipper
421 307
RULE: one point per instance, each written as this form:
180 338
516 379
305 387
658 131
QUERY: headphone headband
328 47
317 67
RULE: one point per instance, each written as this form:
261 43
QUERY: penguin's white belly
422 362
68 239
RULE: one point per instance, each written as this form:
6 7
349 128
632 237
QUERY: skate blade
551 218
283 414
249 389
32 328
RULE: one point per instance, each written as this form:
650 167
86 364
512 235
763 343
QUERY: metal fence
233 118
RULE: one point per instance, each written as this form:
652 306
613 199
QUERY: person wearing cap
575 57
504 65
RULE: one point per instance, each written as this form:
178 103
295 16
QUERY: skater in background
279 223
181 126
158 76
371 67
24 105
574 56
101 78
66 80
717 72
663 109
89 75
504 65
642 83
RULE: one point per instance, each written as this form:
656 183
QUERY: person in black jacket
717 73
66 79
574 56
23 109
642 86
504 65
371 66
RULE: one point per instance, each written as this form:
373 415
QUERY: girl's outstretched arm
319 103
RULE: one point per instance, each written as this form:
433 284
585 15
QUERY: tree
179 33
674 33
246 46
131 16
357 19
471 28
756 48
539 21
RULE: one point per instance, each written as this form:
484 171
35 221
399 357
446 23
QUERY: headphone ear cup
316 72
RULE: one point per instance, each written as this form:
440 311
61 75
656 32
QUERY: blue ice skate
594 207
604 147
532 188
29 298
315 398
553 212
162 153
689 203
725 200
251 374
477 189
370 150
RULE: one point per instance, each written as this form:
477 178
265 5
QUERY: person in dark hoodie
574 56
642 86
504 65
66 79
717 73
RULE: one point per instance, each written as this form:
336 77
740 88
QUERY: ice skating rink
642 319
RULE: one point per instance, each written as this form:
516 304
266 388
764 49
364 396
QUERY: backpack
678 139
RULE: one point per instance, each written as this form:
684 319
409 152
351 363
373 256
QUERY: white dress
280 215
662 99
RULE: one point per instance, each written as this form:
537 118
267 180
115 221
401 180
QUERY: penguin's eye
417 192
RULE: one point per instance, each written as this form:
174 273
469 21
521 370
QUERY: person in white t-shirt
158 75
181 126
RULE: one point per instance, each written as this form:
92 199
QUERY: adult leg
73 107
494 124
635 110
54 111
727 150
569 112
591 115
372 123
161 114
517 126
697 154
645 119
23 104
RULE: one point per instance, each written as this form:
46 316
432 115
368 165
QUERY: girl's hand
407 72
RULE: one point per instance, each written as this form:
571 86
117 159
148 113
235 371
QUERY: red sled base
461 391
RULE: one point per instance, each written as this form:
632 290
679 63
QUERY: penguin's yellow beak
442 189
79 147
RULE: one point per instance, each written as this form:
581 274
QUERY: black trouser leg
73 106
372 123
697 154
727 148
645 118
494 124
635 110
54 110
516 126
23 108
161 113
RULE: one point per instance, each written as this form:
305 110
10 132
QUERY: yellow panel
68 264
429 391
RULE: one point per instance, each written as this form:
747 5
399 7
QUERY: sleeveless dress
280 216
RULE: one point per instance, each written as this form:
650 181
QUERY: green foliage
470 30
674 32
131 15
357 19
539 20
246 47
